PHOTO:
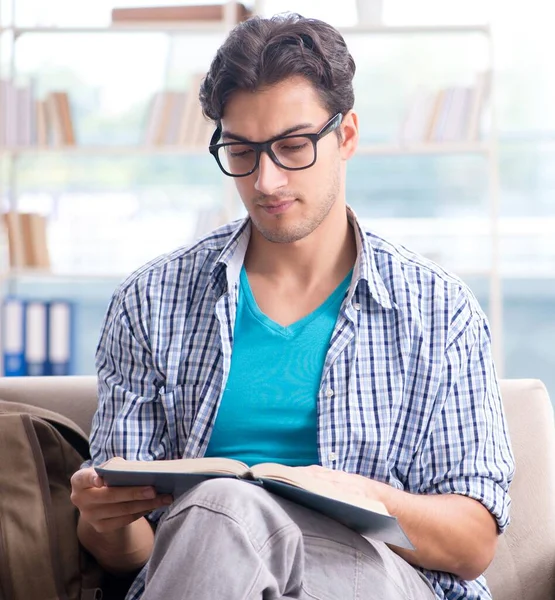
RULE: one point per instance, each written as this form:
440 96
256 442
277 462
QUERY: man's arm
456 500
451 533
125 550
129 422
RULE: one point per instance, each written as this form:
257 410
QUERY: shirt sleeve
130 420
467 450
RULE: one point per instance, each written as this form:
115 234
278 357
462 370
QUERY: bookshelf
487 149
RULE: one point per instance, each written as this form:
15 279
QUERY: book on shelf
27 240
480 97
451 114
59 122
368 517
35 239
26 120
17 246
175 118
160 14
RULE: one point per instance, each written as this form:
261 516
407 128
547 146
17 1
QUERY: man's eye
240 152
293 147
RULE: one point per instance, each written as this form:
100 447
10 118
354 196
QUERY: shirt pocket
180 406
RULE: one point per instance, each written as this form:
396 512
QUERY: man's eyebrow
239 138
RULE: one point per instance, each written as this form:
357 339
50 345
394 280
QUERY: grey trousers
230 540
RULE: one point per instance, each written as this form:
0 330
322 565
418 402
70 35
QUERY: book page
225 466
300 479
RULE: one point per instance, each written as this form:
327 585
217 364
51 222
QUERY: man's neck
328 252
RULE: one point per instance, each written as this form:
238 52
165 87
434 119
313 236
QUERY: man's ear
349 135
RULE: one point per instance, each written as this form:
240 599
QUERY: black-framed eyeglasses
291 152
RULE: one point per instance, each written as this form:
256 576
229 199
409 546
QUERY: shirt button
332 456
329 392
356 305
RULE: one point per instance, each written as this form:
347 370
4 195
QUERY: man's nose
270 177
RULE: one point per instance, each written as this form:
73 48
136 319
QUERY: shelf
221 26
109 150
518 273
483 29
149 27
424 149
462 226
445 148
35 274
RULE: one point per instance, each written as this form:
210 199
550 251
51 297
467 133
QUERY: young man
296 337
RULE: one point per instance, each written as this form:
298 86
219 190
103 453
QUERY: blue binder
60 337
13 339
36 338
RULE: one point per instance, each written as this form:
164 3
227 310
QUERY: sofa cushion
524 565
74 397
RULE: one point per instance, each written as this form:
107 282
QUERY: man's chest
373 406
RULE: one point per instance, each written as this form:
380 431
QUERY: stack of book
27 240
452 114
37 337
162 14
26 120
175 118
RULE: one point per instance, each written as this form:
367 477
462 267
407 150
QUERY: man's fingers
97 513
116 495
86 478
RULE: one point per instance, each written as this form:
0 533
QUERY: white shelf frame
489 148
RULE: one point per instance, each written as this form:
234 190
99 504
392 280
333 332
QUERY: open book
368 517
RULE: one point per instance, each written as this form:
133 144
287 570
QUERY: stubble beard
281 233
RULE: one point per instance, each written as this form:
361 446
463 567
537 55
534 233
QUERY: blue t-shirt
268 411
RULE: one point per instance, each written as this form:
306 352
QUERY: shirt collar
365 271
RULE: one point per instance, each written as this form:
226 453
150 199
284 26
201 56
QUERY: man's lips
275 208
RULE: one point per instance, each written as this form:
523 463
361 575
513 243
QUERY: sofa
524 565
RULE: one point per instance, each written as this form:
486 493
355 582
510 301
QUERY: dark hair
262 52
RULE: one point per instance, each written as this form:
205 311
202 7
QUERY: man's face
285 206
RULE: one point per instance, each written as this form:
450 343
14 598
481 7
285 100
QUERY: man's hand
349 483
108 509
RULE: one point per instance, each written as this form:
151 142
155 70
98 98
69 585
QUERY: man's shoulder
412 278
189 261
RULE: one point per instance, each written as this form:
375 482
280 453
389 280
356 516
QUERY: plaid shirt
408 393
